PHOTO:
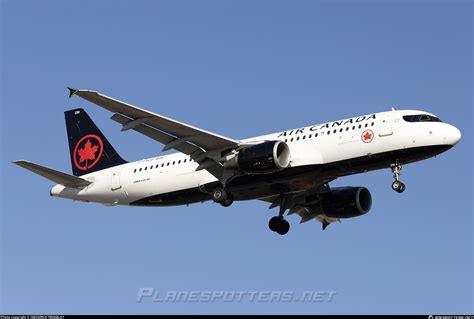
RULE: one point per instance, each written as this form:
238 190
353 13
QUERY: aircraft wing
201 145
53 175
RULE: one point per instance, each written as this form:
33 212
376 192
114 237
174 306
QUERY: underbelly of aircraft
293 179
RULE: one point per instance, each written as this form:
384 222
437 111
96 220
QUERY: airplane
290 169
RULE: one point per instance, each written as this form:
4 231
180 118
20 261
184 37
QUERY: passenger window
335 131
347 128
168 164
353 128
366 124
340 130
298 138
360 125
310 135
146 167
151 167
140 169
291 140
372 124
135 170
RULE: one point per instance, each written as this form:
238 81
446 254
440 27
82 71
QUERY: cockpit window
421 118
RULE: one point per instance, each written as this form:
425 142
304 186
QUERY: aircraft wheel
284 227
402 188
274 223
398 186
228 201
279 225
219 195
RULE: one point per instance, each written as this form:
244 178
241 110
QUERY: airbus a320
292 170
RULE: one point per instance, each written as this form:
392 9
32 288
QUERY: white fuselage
317 145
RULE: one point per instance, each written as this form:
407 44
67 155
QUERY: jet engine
344 202
263 158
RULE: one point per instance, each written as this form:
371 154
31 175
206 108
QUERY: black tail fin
90 151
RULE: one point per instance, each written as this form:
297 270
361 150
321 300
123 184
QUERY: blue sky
239 69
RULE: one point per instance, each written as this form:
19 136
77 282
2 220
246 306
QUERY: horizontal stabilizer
53 175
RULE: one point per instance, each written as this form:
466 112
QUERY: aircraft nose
453 135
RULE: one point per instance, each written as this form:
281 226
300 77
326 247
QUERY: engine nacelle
345 202
262 158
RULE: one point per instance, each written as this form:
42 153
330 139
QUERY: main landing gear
397 185
279 225
223 197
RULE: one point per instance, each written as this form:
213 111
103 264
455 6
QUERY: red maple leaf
87 152
367 136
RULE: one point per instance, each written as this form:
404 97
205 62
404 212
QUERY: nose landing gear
397 185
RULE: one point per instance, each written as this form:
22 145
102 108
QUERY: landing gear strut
397 185
223 197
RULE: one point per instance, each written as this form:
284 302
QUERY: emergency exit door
386 124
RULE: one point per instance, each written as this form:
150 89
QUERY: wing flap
53 175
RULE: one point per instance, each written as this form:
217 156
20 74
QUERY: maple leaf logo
367 136
87 152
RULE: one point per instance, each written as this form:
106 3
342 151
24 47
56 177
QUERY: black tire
219 195
228 201
283 227
274 223
402 187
